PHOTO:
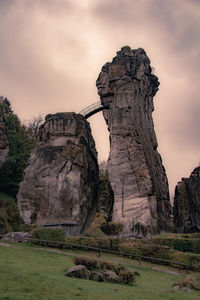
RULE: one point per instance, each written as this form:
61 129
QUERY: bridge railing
90 108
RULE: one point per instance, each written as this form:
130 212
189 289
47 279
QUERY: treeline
22 140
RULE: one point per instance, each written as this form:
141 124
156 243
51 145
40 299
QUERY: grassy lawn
29 273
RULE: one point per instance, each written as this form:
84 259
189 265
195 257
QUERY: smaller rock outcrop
4 146
78 271
111 276
187 203
96 276
16 237
61 180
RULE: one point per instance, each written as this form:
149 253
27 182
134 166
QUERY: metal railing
92 109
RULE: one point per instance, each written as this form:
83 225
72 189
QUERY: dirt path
114 261
165 271
5 245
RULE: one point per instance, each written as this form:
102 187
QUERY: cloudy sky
51 52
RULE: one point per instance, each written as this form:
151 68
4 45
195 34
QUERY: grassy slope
26 273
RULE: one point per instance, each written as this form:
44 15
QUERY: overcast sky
51 52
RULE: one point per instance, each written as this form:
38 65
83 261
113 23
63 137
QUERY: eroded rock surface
4 146
136 173
61 180
187 203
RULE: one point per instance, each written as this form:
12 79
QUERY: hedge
49 234
180 244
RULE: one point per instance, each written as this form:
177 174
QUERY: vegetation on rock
10 219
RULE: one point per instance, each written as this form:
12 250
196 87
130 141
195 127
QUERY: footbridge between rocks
93 109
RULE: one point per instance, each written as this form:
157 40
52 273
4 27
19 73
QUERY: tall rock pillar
136 173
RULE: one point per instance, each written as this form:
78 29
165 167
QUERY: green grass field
29 273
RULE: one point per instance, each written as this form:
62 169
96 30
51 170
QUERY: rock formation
187 203
4 146
136 173
61 180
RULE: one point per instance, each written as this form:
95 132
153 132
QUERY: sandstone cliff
187 203
136 173
61 180
4 146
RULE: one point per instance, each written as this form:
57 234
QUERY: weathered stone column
61 180
187 203
136 173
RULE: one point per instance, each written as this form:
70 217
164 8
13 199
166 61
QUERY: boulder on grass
78 271
96 276
16 236
111 276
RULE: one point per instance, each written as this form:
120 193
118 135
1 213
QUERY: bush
95 227
112 228
10 219
126 277
143 249
89 263
117 268
26 227
97 242
189 282
185 244
49 234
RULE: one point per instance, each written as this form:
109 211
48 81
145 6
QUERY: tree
21 142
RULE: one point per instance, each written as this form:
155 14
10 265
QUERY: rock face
136 173
4 146
187 203
61 180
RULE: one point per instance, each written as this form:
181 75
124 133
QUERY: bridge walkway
93 109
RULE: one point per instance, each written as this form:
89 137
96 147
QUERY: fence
62 245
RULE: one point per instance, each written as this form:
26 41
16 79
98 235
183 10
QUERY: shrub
126 277
10 218
112 228
190 282
156 251
117 268
89 263
95 227
26 227
184 244
149 250
98 242
49 234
